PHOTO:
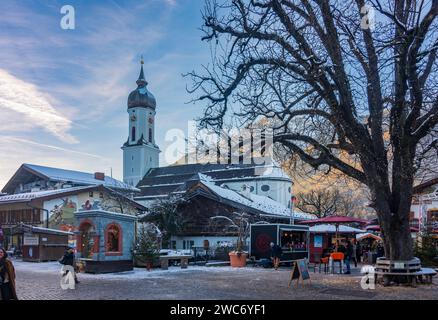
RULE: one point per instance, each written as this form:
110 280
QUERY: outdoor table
164 261
336 257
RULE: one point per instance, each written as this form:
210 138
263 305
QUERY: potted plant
147 248
241 224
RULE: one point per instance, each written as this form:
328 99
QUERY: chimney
99 176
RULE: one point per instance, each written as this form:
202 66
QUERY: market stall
41 244
323 238
293 239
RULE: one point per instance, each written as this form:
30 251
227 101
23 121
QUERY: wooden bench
164 261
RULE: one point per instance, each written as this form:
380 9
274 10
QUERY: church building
262 190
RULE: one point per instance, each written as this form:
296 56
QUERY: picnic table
164 260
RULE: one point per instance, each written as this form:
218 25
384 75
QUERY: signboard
317 241
30 240
399 265
299 271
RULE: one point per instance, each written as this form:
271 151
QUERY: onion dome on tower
141 97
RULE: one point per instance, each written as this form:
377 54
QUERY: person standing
354 253
68 259
7 277
358 252
348 256
276 254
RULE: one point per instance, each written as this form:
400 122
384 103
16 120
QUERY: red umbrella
377 228
336 220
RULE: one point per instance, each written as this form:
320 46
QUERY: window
101 195
251 188
150 135
113 239
91 194
289 189
132 158
132 170
265 188
173 245
133 134
188 244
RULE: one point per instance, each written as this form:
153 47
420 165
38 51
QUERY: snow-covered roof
22 197
251 200
47 230
330 228
361 236
78 177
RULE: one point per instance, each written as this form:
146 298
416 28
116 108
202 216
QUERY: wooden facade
201 205
12 217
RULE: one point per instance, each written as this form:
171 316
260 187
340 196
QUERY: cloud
15 151
34 107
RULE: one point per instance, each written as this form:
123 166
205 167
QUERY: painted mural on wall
62 215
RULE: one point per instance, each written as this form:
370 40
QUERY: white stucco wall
137 160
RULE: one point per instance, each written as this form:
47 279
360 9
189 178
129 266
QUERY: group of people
352 253
7 273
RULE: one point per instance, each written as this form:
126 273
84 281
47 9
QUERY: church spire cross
141 78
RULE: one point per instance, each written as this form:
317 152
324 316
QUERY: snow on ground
137 273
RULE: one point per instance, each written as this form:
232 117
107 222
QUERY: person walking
276 254
348 256
7 277
68 259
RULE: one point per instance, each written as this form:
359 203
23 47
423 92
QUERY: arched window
86 239
133 134
113 240
150 135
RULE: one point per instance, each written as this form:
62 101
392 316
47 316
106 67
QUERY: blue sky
63 92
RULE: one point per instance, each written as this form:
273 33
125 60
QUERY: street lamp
292 216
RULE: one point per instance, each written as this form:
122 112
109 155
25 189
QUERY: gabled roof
164 180
54 194
62 175
261 204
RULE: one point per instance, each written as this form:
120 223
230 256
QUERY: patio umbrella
377 228
336 220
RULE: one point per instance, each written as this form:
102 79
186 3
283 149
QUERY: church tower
140 153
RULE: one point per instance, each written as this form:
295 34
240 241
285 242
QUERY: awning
367 235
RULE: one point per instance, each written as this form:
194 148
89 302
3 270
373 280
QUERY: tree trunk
395 229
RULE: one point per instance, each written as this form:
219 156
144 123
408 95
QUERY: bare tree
321 203
340 94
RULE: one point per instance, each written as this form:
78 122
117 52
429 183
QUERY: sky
63 92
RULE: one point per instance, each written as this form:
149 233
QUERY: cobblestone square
42 282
